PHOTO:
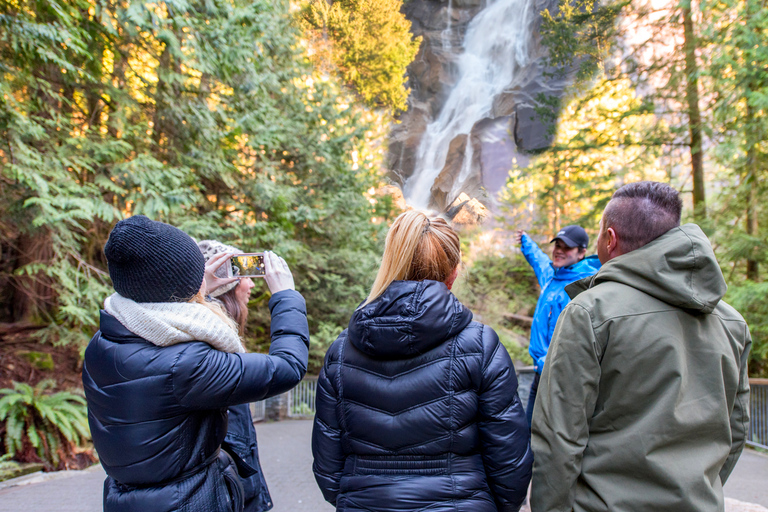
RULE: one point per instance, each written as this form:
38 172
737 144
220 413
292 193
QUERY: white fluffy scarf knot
168 323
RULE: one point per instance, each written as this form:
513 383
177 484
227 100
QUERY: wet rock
466 211
404 144
494 151
443 185
532 134
504 104
468 3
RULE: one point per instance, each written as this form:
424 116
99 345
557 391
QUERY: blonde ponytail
419 246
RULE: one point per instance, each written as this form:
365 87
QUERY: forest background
264 123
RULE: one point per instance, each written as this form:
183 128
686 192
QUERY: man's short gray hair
641 212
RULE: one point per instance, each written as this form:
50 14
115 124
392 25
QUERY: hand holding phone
247 264
213 281
278 276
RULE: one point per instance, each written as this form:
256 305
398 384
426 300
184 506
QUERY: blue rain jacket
553 297
417 409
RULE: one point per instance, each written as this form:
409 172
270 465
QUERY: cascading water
497 47
446 35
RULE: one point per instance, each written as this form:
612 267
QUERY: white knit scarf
168 323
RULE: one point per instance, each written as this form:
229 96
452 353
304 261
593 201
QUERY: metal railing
301 399
258 411
301 404
758 413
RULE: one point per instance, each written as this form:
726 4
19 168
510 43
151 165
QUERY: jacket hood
678 268
579 270
410 318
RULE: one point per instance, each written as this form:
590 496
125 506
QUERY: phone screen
248 264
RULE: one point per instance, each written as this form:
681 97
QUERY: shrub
44 427
494 285
750 300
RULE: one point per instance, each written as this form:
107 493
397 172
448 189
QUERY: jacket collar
678 268
114 331
408 319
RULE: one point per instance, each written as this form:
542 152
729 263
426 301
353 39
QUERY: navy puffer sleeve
209 379
503 428
326 434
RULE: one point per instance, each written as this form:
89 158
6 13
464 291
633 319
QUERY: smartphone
248 264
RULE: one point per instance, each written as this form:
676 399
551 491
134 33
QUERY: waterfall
445 36
498 45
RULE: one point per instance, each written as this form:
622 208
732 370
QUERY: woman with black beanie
165 366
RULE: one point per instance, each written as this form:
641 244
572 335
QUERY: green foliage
671 59
634 44
603 136
516 343
493 285
325 335
372 46
749 299
737 71
205 114
579 36
47 425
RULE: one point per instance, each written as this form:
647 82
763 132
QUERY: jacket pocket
232 481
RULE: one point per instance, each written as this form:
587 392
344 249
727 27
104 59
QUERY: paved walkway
287 462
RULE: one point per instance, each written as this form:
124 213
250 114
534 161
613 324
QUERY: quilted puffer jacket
417 409
158 415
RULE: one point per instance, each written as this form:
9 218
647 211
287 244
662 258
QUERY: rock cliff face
475 86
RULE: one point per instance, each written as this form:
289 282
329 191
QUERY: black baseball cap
573 236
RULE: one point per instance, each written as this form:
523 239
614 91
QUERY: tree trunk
556 202
33 295
753 272
694 114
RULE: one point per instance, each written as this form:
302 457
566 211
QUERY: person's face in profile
243 291
564 256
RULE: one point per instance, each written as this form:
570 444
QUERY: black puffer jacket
158 415
417 409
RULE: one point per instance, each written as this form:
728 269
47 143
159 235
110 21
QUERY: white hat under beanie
211 248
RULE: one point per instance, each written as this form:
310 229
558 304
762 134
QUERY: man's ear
613 242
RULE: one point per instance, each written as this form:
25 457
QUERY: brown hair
419 246
238 311
641 212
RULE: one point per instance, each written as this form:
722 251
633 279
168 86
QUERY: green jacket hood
678 268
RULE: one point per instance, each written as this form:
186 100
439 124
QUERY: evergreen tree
203 114
371 45
653 44
601 141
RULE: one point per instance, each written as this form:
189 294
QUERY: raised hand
277 274
212 282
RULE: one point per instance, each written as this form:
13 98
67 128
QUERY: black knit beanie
151 261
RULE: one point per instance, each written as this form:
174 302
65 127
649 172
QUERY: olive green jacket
644 398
